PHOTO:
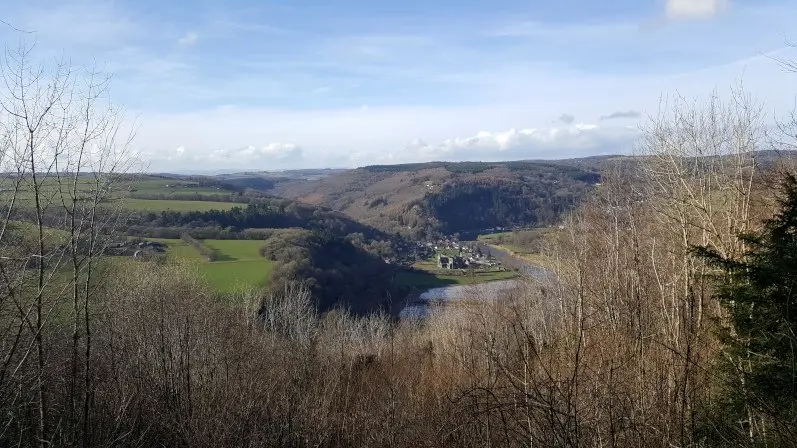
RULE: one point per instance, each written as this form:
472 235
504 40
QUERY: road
525 267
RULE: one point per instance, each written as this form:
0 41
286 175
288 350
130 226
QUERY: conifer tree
758 292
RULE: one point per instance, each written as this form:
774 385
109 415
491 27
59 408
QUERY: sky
283 84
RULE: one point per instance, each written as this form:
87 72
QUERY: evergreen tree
758 292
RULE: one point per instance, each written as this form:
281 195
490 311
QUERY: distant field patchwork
160 205
52 189
240 264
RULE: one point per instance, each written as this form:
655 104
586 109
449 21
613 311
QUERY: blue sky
287 84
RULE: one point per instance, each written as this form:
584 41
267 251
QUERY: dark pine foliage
758 292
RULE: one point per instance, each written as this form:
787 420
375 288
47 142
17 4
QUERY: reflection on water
448 294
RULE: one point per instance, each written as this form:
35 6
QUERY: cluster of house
469 256
135 249
464 262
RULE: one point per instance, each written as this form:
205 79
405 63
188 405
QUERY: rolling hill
425 199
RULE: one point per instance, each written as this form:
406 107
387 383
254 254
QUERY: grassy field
173 187
159 205
423 280
428 275
232 250
123 189
524 244
490 237
239 265
534 258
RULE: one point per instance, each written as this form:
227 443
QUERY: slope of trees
473 206
425 199
260 214
335 271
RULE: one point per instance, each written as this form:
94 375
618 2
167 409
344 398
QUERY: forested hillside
425 199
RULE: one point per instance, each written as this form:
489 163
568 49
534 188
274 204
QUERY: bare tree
65 150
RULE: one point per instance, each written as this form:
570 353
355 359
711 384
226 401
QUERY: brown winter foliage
423 199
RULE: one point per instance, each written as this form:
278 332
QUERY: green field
123 189
523 244
428 275
173 187
494 236
424 280
239 265
241 250
159 205
532 257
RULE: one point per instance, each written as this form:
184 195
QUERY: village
451 254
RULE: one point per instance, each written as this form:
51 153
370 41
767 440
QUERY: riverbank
421 305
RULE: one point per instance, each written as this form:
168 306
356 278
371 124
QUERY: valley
234 234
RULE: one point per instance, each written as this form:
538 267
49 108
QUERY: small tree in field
758 292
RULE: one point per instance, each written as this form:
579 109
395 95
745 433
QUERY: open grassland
527 245
52 188
239 265
229 276
160 205
535 258
423 280
428 275
491 237
173 187
232 250
178 250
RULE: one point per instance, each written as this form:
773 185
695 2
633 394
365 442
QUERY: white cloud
695 9
272 152
556 141
190 38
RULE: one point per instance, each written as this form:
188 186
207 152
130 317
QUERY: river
423 305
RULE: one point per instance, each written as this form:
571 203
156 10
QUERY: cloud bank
695 9
558 141
272 152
